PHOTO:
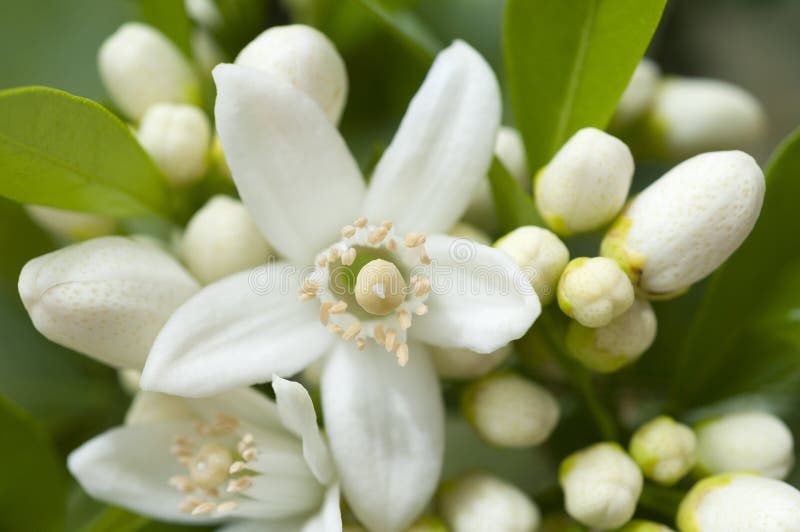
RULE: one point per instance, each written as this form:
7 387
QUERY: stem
664 501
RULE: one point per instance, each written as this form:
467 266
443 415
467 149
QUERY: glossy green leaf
404 23
568 63
170 18
60 150
514 207
32 487
742 334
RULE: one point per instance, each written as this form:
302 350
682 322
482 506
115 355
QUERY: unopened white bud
204 13
222 239
71 225
745 441
608 348
470 232
206 51
585 185
690 116
141 67
664 450
463 364
178 138
541 256
594 291
638 95
688 222
107 297
129 380
640 525
507 410
740 502
601 485
478 502
305 58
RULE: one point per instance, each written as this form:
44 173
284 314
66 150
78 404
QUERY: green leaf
742 335
568 63
514 207
32 488
118 520
170 18
399 18
60 150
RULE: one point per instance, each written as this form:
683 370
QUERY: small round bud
380 287
690 116
463 364
507 410
594 291
140 67
204 13
470 232
745 441
601 485
664 449
640 525
608 348
178 139
305 58
638 95
222 239
585 185
478 502
71 225
688 222
740 502
541 256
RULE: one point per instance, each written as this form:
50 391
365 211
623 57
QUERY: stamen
402 355
250 454
227 506
360 223
386 224
391 340
189 504
349 257
352 331
348 231
237 467
404 318
360 344
322 261
335 329
421 285
238 485
423 256
421 310
391 244
204 508
333 254
413 240
181 483
377 235
379 335
324 312
339 307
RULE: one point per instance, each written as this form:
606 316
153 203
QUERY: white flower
740 503
594 291
305 58
463 364
308 198
222 239
688 222
178 138
619 343
140 67
601 485
478 502
664 449
585 185
236 457
745 441
507 410
638 95
689 116
540 254
71 225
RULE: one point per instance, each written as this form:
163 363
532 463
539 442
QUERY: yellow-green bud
463 364
71 225
664 450
640 525
541 256
594 291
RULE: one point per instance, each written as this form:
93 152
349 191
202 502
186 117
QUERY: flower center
370 284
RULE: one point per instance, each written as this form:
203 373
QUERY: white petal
236 332
291 167
298 416
153 407
329 519
282 496
252 525
443 147
106 298
245 404
385 424
480 299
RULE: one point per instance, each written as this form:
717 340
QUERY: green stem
664 501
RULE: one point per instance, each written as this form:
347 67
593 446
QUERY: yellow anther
227 506
181 483
380 287
360 344
377 235
404 318
339 307
391 244
352 331
391 340
236 467
413 240
360 223
423 256
239 485
324 312
204 508
335 329
348 231
379 335
333 254
421 310
386 224
349 257
421 285
402 355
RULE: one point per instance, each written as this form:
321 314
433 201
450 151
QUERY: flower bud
463 364
71 225
640 525
507 410
478 501
740 502
140 67
107 298
204 13
178 139
606 349
601 485
585 185
305 58
664 450
470 232
690 116
206 51
687 223
745 441
541 256
638 95
594 291
222 239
